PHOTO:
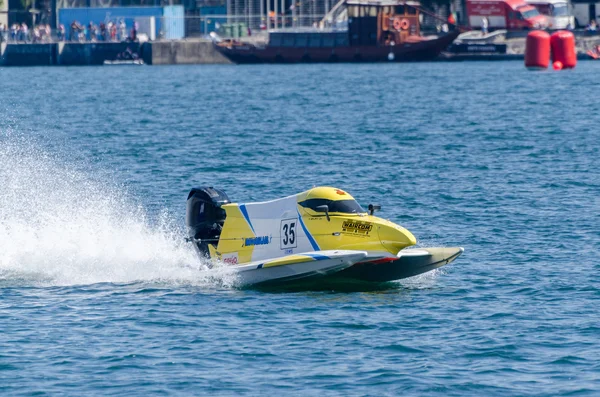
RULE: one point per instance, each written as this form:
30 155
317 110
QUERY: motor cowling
204 216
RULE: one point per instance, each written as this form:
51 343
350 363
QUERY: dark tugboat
359 31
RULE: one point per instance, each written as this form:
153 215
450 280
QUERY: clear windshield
343 206
560 10
530 13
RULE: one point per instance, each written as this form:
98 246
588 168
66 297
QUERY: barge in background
353 31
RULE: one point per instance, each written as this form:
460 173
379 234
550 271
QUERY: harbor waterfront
100 295
202 51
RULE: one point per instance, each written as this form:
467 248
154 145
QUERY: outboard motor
204 217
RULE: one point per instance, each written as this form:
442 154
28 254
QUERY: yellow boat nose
394 238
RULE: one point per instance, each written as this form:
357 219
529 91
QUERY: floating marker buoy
557 65
537 50
563 48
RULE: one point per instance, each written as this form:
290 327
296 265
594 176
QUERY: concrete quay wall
79 54
28 54
182 53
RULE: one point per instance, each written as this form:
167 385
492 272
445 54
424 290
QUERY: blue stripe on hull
245 213
312 241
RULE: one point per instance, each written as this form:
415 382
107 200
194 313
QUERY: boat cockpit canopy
341 206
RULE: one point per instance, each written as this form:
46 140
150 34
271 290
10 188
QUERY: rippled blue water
99 295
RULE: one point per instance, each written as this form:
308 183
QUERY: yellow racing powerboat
322 232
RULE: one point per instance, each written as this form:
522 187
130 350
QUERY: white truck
558 12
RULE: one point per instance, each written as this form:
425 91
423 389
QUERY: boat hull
411 262
407 52
301 267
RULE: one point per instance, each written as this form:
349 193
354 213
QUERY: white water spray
59 227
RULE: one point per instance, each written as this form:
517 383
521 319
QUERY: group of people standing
22 33
111 31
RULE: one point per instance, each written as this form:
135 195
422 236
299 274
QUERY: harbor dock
202 51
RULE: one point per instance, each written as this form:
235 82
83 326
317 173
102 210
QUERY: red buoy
557 65
563 48
537 50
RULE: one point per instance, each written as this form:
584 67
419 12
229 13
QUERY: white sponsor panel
281 216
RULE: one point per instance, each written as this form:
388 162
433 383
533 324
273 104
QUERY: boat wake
427 280
58 226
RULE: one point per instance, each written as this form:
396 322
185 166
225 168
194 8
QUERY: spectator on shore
61 32
3 33
272 17
14 31
484 26
103 34
97 33
134 32
592 27
123 30
42 33
91 31
24 32
37 36
113 31
74 31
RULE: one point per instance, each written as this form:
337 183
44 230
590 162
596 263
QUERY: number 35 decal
288 233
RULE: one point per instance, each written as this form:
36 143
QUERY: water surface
99 295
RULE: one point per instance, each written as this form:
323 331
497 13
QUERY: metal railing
110 28
239 26
36 35
115 3
41 34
